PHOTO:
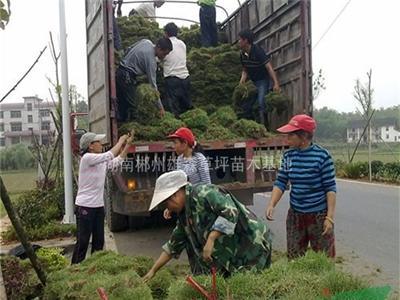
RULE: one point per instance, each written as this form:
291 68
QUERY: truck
243 166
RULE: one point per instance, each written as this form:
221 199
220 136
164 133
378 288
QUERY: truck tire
115 222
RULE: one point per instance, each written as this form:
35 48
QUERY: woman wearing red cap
190 159
310 171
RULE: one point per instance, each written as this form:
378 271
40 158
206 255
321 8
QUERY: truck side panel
98 71
282 28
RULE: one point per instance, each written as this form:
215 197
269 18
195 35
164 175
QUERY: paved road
367 225
367 230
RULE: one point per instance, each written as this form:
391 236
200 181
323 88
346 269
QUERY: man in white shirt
176 74
146 9
89 201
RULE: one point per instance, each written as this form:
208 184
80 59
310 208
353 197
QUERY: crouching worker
89 200
213 227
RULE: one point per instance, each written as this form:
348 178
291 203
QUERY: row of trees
332 124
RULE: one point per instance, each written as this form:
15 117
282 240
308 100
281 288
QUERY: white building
382 130
22 122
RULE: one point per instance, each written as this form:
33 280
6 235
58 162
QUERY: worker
256 65
213 227
310 171
208 23
139 60
176 74
89 200
191 160
147 10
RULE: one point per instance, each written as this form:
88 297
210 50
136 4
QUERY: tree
363 93
331 124
4 14
318 84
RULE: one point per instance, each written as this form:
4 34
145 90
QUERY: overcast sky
365 36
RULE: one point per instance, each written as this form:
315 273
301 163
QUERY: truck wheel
115 222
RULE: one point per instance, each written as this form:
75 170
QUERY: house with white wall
23 122
382 130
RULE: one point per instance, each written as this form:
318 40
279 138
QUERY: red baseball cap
299 122
184 134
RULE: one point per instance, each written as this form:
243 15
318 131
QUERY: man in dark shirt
139 60
256 65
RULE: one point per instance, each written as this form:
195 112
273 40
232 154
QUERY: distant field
17 182
384 153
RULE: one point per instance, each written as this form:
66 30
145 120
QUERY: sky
364 37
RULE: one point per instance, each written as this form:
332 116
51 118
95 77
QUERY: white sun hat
88 138
167 185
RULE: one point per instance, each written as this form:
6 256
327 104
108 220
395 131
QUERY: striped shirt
92 174
195 167
311 174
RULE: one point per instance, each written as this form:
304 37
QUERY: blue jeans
263 87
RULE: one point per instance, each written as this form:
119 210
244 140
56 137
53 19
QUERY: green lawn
17 182
20 180
385 153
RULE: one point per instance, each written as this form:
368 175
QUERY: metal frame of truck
281 27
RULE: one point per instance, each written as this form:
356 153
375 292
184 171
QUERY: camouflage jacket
245 242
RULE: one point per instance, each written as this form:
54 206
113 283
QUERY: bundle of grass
249 129
160 284
169 124
117 274
218 132
196 119
242 94
224 116
277 101
147 111
142 132
135 28
214 74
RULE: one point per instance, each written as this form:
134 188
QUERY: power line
333 22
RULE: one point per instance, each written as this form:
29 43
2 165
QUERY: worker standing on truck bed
309 169
256 65
213 227
208 23
146 9
190 159
139 60
89 200
176 74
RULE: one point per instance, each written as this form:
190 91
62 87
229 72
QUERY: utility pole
67 153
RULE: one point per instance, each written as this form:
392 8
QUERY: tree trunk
369 153
21 233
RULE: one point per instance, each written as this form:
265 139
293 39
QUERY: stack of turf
214 75
304 278
222 124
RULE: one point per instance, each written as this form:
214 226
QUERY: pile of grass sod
222 124
304 278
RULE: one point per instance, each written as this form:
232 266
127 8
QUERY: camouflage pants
305 228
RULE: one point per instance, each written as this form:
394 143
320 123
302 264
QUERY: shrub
18 280
356 170
376 167
47 231
16 157
52 259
